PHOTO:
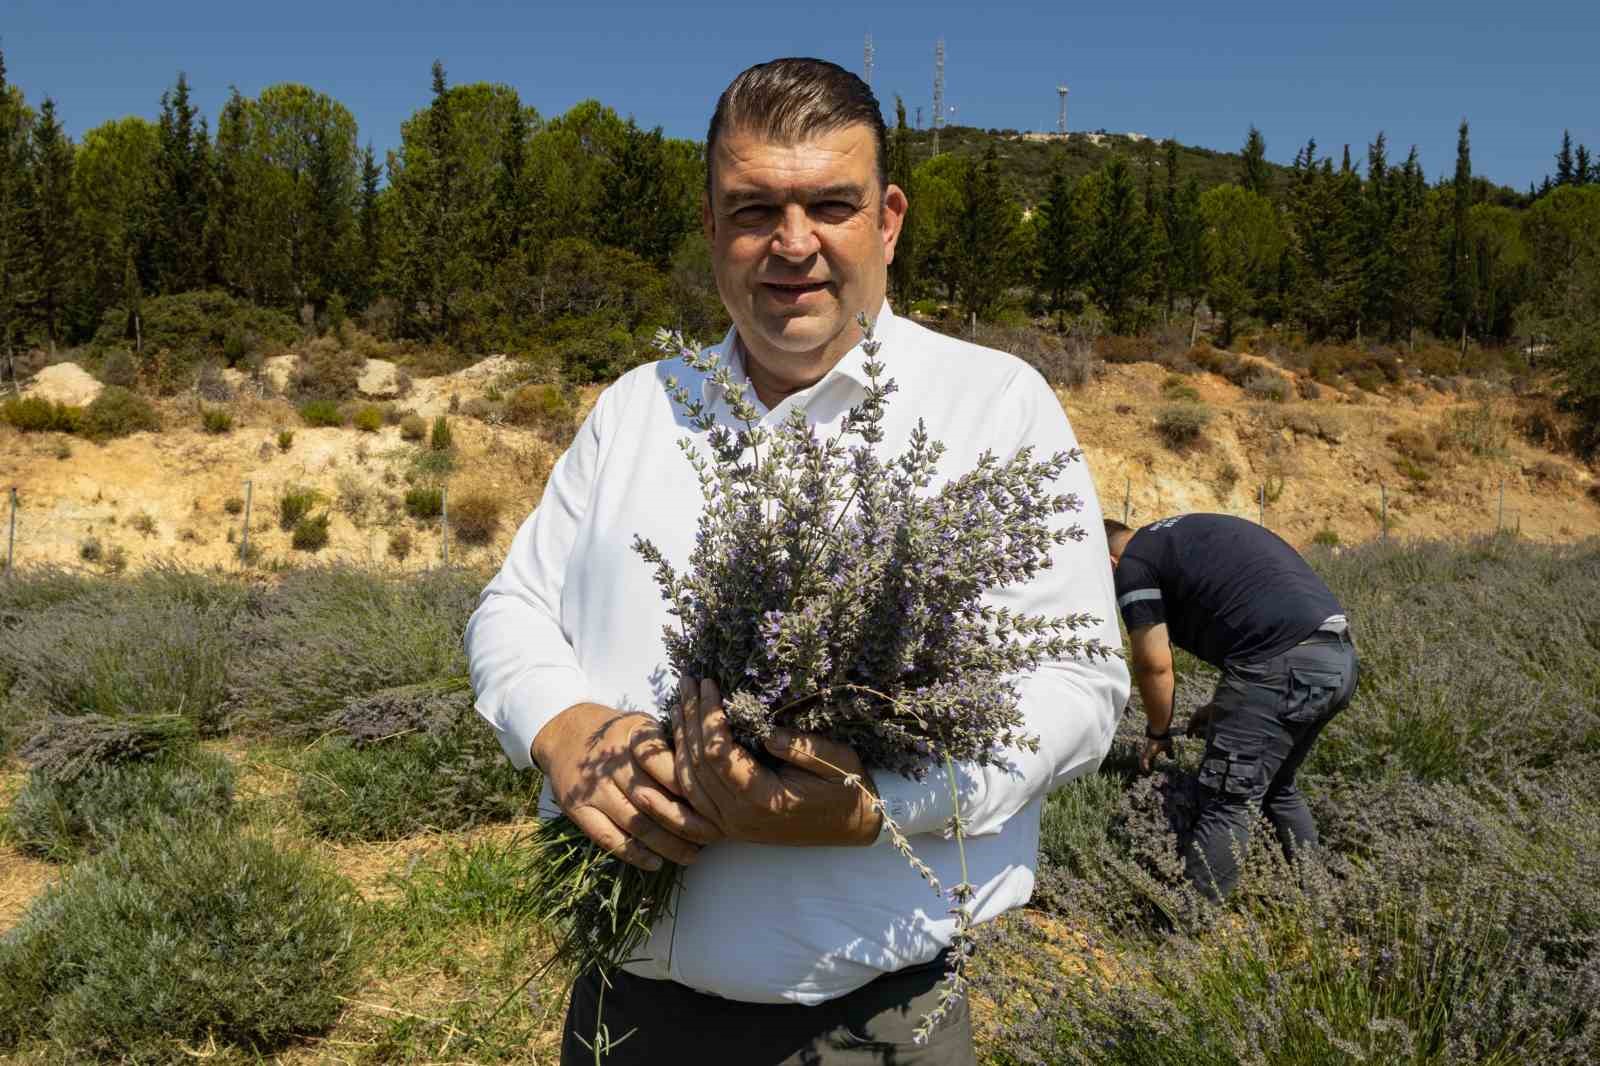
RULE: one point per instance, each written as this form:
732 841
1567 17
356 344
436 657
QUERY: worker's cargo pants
1265 718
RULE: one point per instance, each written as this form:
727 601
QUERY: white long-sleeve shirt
574 615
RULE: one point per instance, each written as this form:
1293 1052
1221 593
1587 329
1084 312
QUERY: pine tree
439 232
903 270
511 201
50 234
986 236
177 240
1583 171
370 221
1059 242
1187 276
640 210
1566 170
1253 172
1121 243
1459 277
15 192
227 254
1415 252
1379 265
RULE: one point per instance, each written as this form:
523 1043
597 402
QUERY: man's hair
1115 529
790 100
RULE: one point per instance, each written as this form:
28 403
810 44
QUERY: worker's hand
1152 749
812 801
1200 721
613 775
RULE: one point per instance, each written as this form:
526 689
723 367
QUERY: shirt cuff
916 806
528 706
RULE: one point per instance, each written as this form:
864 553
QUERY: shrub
475 516
324 370
63 819
1307 388
30 414
1414 445
1325 538
285 439
1118 349
175 939
89 550
1227 478
441 441
325 634
321 413
424 502
216 420
118 368
197 324
400 544
1478 429
407 759
1179 390
294 503
116 412
233 505
369 419
1268 386
143 524
413 428
1181 425
116 559
310 533
211 385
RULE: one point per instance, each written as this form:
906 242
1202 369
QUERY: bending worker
1235 595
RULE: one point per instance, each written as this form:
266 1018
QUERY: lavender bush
833 591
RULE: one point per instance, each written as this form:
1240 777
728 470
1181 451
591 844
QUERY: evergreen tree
1376 249
1121 243
903 269
1253 173
986 236
15 193
1244 243
50 234
1583 171
227 255
1566 169
513 221
177 239
370 221
1415 252
1187 273
1459 277
642 210
440 234
1060 251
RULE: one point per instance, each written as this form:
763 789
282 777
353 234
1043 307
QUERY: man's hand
613 775
1152 749
808 802
1200 720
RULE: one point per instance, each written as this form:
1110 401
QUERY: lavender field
255 819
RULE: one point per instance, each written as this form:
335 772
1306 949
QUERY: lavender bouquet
829 591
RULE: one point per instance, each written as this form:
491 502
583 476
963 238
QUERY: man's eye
834 210
752 215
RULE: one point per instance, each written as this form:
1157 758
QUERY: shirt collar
731 353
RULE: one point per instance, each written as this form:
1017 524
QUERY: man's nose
794 237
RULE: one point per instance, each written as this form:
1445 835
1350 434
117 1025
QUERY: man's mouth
794 288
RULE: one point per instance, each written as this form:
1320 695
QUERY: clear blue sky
1519 72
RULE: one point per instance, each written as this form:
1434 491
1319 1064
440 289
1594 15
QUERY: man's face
801 238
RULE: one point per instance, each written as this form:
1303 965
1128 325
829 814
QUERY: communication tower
1061 121
938 93
866 62
919 116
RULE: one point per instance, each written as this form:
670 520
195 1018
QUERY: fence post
11 537
1263 503
444 522
1127 492
1383 511
244 540
1500 513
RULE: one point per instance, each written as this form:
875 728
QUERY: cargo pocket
1311 695
1232 774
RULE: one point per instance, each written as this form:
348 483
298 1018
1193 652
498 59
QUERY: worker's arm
1152 672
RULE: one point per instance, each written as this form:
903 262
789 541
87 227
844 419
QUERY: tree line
493 227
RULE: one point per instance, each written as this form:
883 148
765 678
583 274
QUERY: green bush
311 533
447 776
30 414
325 370
233 505
176 939
285 439
116 412
1268 386
1180 425
1325 538
294 503
442 440
549 409
90 550
65 819
1179 391
321 413
325 634
413 428
424 502
400 544
369 419
118 368
200 324
216 420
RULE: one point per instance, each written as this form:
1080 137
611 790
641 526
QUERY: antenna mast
1061 122
938 93
866 62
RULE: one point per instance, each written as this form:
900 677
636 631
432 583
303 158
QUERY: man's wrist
1151 733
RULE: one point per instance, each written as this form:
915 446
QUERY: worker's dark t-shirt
1227 588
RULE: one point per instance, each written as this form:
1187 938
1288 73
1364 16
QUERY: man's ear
707 221
891 218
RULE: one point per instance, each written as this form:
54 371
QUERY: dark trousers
662 1023
1265 718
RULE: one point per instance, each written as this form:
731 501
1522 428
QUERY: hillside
176 494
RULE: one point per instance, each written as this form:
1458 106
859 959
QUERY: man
1233 594
799 933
